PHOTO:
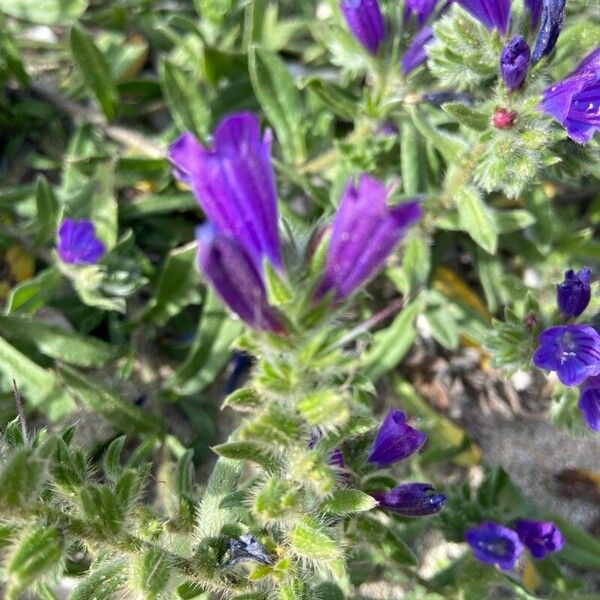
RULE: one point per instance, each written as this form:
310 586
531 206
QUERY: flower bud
78 244
553 17
574 293
411 500
514 62
395 440
541 537
504 118
589 402
365 21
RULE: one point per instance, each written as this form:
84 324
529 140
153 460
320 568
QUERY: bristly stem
20 411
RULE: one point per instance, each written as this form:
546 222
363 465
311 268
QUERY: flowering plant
289 265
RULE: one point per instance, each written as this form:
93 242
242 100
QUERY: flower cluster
234 183
573 349
395 441
496 544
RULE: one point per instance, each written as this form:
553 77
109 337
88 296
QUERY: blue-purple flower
589 402
514 62
552 19
416 54
541 537
574 293
78 244
234 184
395 440
411 500
226 265
365 231
573 351
535 10
365 21
495 544
421 9
493 14
575 101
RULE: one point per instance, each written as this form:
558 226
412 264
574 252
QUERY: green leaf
103 207
45 12
103 509
443 326
95 71
37 553
183 480
210 351
103 583
243 400
451 147
34 293
151 573
325 407
222 482
334 97
508 221
347 501
278 291
112 458
390 345
187 105
56 342
178 285
281 101
47 211
21 478
476 218
40 387
160 204
466 115
416 260
310 540
275 499
9 53
120 411
246 451
411 163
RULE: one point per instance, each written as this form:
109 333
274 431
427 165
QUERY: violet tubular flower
365 21
226 265
541 537
411 500
552 19
514 62
78 244
421 9
395 440
234 183
574 293
416 54
495 544
493 14
535 11
589 402
573 351
364 233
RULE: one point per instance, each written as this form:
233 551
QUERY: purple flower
589 402
535 10
395 440
365 231
495 545
541 537
493 14
574 293
411 500
234 183
553 17
229 269
514 62
78 244
365 21
573 351
575 101
416 53
422 9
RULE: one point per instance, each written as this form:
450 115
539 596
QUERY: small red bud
530 321
503 118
